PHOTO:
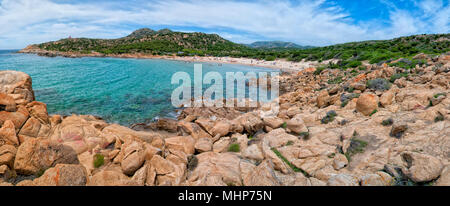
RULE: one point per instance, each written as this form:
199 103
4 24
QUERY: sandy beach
281 64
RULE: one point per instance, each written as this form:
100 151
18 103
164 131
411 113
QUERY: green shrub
379 84
356 146
439 118
343 104
284 125
397 76
373 112
329 117
270 58
353 64
336 80
387 122
99 160
345 99
319 70
304 135
350 89
408 64
234 147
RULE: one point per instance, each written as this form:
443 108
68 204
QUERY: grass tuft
296 169
234 147
356 146
99 160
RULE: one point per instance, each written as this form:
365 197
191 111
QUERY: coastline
281 64
359 137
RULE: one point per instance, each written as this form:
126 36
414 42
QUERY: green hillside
276 45
152 42
167 42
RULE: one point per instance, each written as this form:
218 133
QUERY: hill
276 45
167 42
146 40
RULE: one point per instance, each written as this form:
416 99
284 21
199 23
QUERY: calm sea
123 91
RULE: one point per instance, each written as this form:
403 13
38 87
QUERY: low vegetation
387 122
99 160
234 147
351 55
293 167
356 146
439 118
379 84
329 117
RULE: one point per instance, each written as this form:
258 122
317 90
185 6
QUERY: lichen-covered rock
110 178
444 179
263 175
297 125
343 180
339 161
221 128
133 156
253 152
421 167
167 172
203 145
18 118
63 175
377 179
125 134
278 138
7 155
223 168
273 122
18 85
80 133
36 155
222 144
192 129
387 98
7 103
38 110
181 143
8 134
251 122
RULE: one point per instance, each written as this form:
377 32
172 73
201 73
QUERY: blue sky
305 22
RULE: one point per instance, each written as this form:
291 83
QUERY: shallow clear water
124 91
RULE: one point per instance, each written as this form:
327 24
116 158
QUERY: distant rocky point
277 45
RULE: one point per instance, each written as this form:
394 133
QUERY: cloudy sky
305 22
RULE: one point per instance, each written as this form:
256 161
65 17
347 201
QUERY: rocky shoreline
379 125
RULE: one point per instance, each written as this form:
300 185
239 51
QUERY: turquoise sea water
124 91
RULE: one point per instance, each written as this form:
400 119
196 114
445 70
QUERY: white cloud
307 22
